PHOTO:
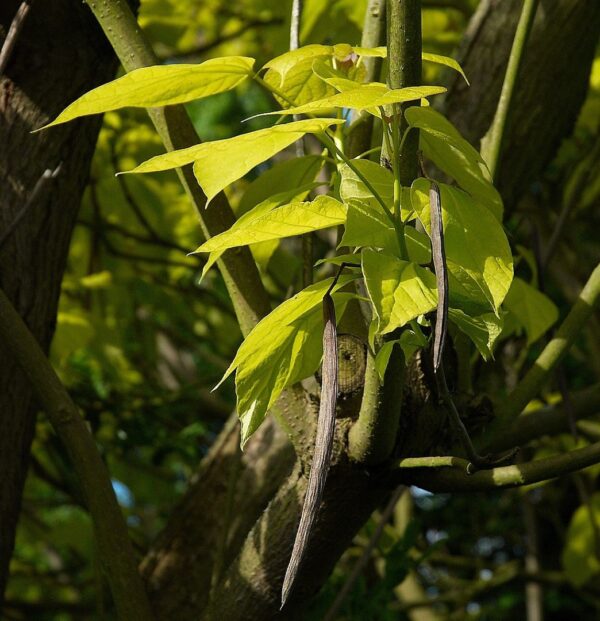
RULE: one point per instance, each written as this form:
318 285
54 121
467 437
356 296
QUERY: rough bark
209 525
60 53
552 84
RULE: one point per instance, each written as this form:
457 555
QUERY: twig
360 565
40 185
323 446
492 142
13 33
436 476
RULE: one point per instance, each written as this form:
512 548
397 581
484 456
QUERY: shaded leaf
534 311
483 329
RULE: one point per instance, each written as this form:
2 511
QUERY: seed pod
323 447
441 273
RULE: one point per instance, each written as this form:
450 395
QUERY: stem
361 131
404 57
372 438
238 269
449 474
110 530
491 145
533 381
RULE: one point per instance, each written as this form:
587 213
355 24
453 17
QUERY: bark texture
60 54
552 83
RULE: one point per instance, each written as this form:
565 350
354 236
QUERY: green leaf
579 558
478 255
162 85
352 187
409 343
449 151
365 97
261 251
221 162
294 219
281 177
399 290
282 349
292 74
534 311
483 329
368 225
444 60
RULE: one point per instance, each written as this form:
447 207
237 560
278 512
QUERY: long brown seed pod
441 273
323 447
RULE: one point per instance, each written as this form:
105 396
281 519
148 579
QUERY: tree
379 445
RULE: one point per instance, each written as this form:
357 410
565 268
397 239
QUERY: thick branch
110 529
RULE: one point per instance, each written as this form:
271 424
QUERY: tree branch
176 131
114 545
533 381
449 474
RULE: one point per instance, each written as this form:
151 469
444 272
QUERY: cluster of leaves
384 224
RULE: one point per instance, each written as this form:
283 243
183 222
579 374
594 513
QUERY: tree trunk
60 53
551 87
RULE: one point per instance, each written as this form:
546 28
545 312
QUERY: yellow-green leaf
445 60
364 97
162 85
283 348
480 264
448 150
221 162
399 290
286 221
261 251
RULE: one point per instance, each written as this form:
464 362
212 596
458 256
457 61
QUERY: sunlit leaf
261 252
365 97
281 177
449 151
293 219
283 348
399 290
162 85
478 255
368 225
221 162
